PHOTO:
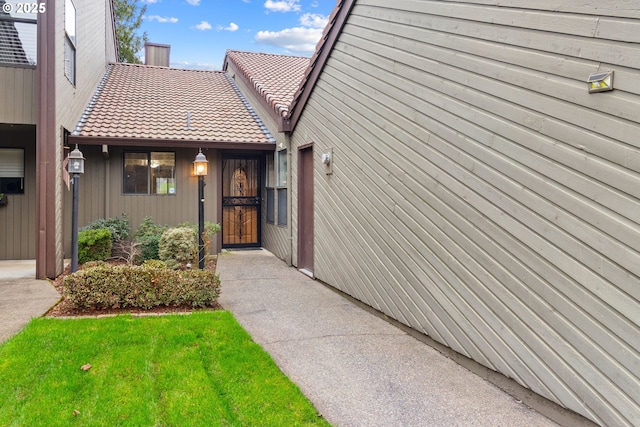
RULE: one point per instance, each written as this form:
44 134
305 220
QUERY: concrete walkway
356 368
22 297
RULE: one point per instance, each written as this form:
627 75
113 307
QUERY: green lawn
200 369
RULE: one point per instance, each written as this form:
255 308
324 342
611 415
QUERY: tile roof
275 77
160 103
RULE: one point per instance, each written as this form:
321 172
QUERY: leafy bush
148 228
118 226
209 230
148 236
154 263
178 247
149 248
94 245
144 286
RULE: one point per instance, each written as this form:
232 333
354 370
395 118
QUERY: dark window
270 205
270 183
12 170
149 173
282 206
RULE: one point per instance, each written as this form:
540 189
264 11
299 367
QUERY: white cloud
194 65
298 40
203 26
231 27
149 1
283 5
161 19
194 2
314 20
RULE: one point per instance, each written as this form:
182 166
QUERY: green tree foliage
128 20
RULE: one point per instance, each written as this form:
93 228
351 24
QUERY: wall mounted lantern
327 160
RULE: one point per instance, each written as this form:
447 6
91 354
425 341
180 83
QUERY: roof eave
318 61
171 143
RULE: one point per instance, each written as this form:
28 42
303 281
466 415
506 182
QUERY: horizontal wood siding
101 193
18 96
17 219
480 195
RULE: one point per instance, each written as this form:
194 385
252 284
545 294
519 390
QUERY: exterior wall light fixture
600 82
200 170
75 166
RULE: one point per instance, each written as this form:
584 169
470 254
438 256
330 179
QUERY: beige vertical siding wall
18 96
93 38
275 238
101 192
17 219
481 195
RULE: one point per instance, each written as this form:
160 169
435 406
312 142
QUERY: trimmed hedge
94 245
145 286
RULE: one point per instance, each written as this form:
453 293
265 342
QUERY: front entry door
305 210
240 202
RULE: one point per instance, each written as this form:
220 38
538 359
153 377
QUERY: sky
201 31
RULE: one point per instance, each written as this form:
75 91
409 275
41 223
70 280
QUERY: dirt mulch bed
66 309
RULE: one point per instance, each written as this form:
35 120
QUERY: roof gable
323 49
274 77
143 103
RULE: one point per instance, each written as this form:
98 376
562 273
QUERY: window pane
282 168
70 20
69 61
271 174
18 39
136 173
11 163
282 206
270 206
163 168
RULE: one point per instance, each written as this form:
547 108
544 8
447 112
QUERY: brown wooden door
240 202
305 210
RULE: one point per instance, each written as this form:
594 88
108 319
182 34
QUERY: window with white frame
270 179
12 170
151 172
282 168
282 174
70 41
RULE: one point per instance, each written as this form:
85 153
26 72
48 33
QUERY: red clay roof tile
275 77
138 101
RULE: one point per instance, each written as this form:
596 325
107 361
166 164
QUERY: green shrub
148 228
118 226
94 245
154 263
144 286
148 236
209 230
149 248
178 247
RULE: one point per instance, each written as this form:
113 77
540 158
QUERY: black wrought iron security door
240 202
